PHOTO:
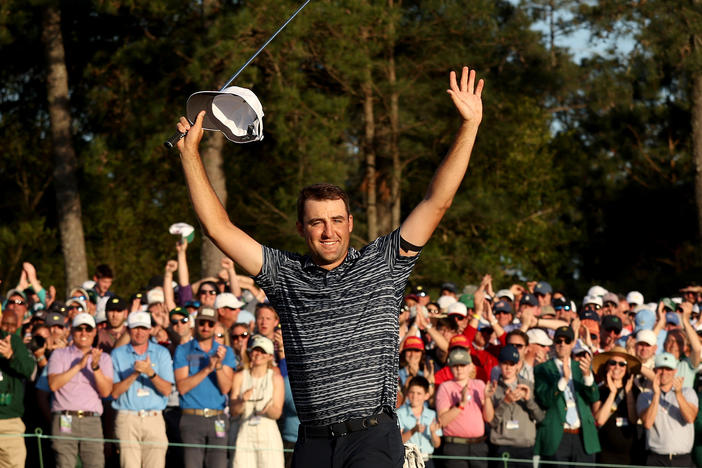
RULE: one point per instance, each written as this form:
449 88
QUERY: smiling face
83 337
326 227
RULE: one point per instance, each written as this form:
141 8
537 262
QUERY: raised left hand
466 95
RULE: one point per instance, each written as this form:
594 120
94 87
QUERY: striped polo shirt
340 327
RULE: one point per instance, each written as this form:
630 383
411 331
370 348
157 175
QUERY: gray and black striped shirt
340 327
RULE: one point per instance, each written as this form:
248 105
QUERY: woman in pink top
462 415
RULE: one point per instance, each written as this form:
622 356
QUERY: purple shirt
79 393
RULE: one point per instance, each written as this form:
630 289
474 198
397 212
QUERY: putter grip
173 140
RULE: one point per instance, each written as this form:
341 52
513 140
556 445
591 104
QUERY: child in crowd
417 422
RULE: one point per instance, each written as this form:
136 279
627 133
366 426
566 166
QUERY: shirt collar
309 265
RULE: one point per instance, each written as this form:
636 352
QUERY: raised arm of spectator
661 318
424 324
420 224
34 281
183 272
691 333
168 295
248 283
231 240
234 287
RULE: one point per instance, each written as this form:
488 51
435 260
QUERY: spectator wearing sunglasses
519 341
181 326
203 373
563 308
207 293
79 375
566 389
116 310
16 304
228 308
75 306
610 331
615 413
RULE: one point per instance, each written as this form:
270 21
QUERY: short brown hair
320 192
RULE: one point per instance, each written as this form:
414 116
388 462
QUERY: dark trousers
174 454
200 430
479 449
521 453
572 449
655 459
376 447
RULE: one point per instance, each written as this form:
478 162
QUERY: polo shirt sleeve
229 358
106 365
643 402
691 396
443 399
57 362
118 365
389 245
273 259
179 359
165 364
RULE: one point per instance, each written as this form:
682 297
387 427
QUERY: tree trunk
211 256
65 161
396 171
697 145
369 150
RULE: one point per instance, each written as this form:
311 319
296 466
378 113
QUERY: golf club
171 142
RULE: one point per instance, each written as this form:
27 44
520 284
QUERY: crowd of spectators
525 372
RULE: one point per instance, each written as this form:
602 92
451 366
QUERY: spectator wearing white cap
444 302
75 306
668 413
645 350
79 376
143 376
539 346
257 395
634 298
228 307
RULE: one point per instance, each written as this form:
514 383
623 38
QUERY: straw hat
633 363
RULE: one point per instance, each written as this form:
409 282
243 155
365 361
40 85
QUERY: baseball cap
597 291
263 343
184 230
565 332
646 336
635 297
666 360
139 319
529 299
502 306
83 318
179 311
589 315
457 308
449 286
75 300
467 299
16 292
412 297
459 341
79 291
413 342
116 303
228 300
155 296
610 297
505 293
445 301
539 336
581 348
542 287
420 292
54 318
669 304
509 353
594 300
672 317
207 313
234 111
612 322
547 311
645 320
459 356
560 303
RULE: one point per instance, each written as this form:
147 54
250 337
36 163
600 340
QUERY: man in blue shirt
143 375
203 374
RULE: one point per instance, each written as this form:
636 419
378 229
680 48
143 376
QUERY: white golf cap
235 111
538 336
596 300
647 336
635 297
155 296
228 300
597 290
505 293
139 319
83 318
445 301
457 308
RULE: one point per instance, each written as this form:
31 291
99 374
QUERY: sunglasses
219 335
82 298
211 292
209 323
518 346
612 362
240 336
177 321
566 308
498 312
17 301
84 328
562 340
76 307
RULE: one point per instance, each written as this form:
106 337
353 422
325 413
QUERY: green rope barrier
505 458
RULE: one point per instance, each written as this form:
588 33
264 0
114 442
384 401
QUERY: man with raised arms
339 306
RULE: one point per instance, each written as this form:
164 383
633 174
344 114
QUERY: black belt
343 428
464 440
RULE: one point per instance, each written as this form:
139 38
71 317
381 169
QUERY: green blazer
551 399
